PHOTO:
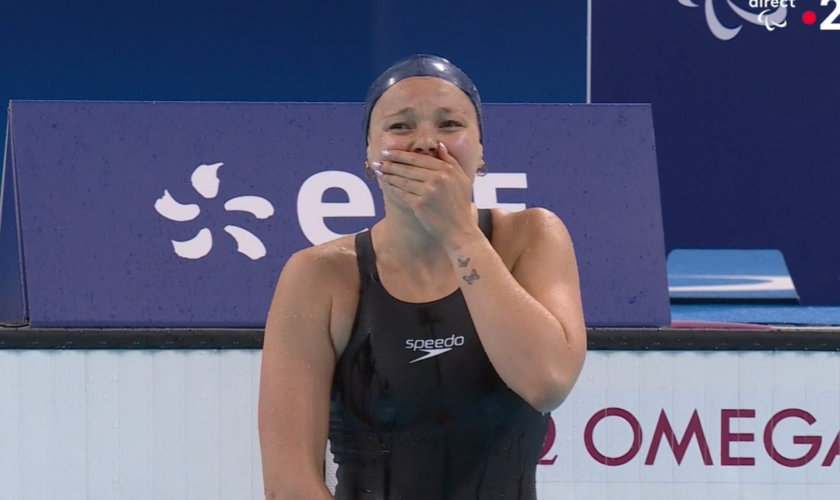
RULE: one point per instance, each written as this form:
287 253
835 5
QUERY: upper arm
547 269
296 376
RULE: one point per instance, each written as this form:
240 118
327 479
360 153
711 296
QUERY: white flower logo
770 21
206 182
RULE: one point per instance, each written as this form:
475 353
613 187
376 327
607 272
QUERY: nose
425 142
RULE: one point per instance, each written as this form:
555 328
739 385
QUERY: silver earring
482 170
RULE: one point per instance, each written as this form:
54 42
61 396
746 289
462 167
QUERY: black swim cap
421 65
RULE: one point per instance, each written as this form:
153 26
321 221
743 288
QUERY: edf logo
312 210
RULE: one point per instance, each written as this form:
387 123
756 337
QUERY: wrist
459 242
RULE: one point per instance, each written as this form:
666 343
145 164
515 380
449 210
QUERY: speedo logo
433 347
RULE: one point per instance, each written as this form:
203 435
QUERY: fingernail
376 166
386 153
443 147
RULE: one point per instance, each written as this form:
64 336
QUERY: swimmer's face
417 113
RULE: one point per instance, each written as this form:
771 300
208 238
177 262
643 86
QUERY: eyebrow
403 111
409 110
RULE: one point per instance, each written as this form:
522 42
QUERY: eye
451 124
398 126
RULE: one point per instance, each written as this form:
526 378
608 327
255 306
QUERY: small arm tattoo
463 262
472 277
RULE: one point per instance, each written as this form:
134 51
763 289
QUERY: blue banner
182 214
12 296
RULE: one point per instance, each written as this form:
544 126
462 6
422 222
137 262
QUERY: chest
408 364
404 288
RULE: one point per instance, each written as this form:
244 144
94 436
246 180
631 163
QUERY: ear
480 155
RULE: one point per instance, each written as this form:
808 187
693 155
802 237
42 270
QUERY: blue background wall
747 130
313 50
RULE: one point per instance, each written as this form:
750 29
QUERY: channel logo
770 14
768 18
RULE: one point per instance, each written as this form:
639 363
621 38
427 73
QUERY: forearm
298 490
291 470
526 344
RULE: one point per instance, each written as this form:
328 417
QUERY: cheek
381 142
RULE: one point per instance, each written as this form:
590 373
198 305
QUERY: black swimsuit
418 412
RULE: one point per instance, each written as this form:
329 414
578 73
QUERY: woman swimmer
430 348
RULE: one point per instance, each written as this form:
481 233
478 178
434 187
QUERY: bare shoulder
516 233
529 221
323 280
325 264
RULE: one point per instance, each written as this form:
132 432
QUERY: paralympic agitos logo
694 439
